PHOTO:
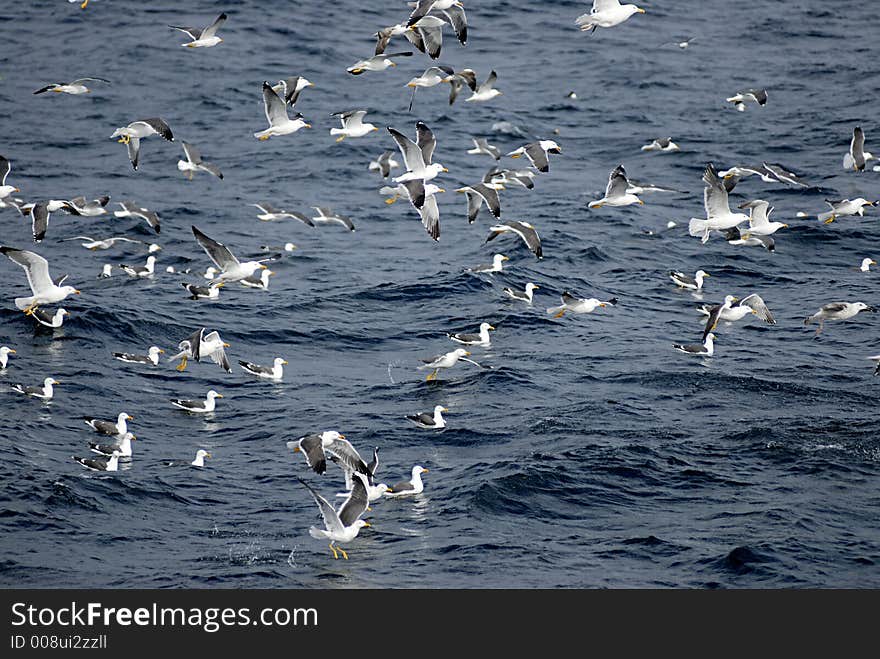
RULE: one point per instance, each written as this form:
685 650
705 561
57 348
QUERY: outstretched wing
714 194
756 304
331 519
412 154
617 183
276 110
211 30
426 141
357 501
35 267
217 252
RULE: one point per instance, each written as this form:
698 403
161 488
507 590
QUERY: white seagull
352 125
837 311
204 37
198 406
616 193
575 304
74 87
44 289
417 155
606 13
342 525
715 201
194 163
132 134
276 114
231 268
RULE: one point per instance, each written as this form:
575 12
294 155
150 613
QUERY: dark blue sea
587 453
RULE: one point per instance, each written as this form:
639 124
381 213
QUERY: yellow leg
340 138
263 138
30 310
560 314
85 3
333 549
830 219
342 551
125 139
182 365
432 376
391 200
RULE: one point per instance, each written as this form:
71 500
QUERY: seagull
119 427
739 99
452 9
44 289
342 525
5 190
273 372
845 207
481 339
426 34
606 13
736 310
525 296
130 209
485 91
384 164
198 406
522 229
718 215
465 77
522 177
44 393
231 268
106 463
784 176
5 351
694 283
735 237
495 266
74 87
102 243
866 264
537 153
123 446
205 37
447 360
857 157
349 467
199 460
86 207
759 219
145 270
837 311
352 125
375 63
616 191
417 155
260 280
425 420
661 144
269 213
431 77
704 349
152 356
482 146
276 114
132 134
579 305
384 36
199 345
48 319
209 292
194 163
290 88
482 192
410 487
326 216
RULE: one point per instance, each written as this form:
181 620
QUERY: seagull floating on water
480 339
433 421
524 296
575 304
694 283
198 406
44 392
152 356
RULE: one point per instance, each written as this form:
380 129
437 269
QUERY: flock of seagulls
423 29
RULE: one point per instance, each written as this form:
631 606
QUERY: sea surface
584 452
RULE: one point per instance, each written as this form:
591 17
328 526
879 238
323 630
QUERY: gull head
484 327
530 287
861 306
280 362
331 436
213 394
67 290
419 469
702 273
